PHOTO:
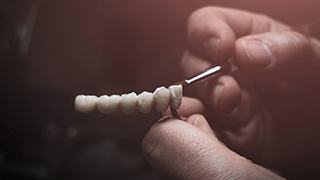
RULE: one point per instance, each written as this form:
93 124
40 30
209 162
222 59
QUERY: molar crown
145 102
108 104
159 100
128 103
85 104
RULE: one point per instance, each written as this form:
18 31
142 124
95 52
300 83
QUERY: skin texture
264 110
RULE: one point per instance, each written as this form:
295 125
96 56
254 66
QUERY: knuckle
296 36
300 42
196 20
184 59
200 13
299 38
264 17
268 21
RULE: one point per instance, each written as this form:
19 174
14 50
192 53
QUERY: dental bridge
159 100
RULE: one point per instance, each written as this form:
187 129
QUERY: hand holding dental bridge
265 112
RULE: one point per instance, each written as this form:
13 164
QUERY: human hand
190 150
267 109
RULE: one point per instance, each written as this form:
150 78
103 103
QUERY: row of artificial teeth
159 100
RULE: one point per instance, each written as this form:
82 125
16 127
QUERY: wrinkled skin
266 110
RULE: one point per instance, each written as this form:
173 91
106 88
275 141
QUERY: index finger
212 31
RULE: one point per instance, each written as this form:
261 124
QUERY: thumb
189 150
272 50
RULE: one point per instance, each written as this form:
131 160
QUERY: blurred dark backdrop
52 50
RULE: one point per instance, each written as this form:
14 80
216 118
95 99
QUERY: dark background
51 51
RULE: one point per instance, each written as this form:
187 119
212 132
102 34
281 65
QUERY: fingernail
258 52
212 47
216 93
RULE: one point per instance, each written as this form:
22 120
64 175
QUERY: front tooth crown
145 102
108 104
161 99
176 96
85 104
128 103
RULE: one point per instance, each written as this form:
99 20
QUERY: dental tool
211 73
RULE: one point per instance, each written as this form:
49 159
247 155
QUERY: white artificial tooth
108 104
129 103
176 96
145 102
161 99
85 104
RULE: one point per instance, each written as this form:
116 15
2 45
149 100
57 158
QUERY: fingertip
188 107
226 94
241 56
271 51
253 54
200 122
196 119
210 36
191 106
